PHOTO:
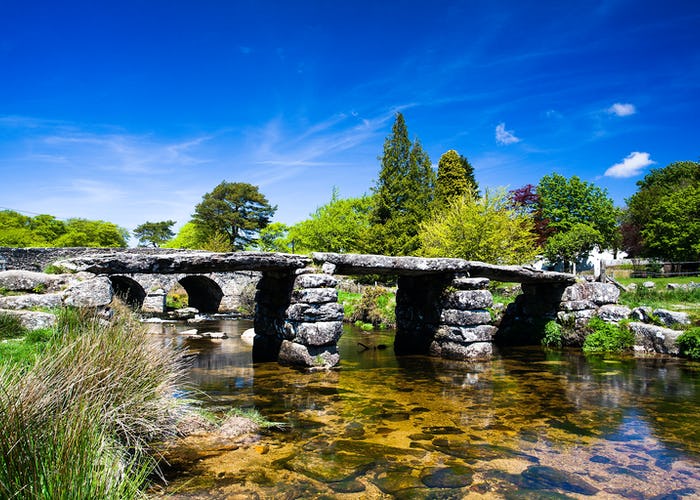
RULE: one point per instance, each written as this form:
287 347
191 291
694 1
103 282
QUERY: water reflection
548 423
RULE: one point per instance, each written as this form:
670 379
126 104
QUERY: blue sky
130 111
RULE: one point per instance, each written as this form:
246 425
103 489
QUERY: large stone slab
407 266
184 262
96 292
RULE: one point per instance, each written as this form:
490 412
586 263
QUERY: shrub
552 334
376 306
689 343
78 423
607 337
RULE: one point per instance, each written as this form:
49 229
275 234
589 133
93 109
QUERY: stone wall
465 330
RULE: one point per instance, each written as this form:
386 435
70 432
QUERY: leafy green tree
47 227
235 209
571 245
92 233
342 226
485 229
455 176
187 237
664 213
273 238
568 202
154 233
15 230
402 194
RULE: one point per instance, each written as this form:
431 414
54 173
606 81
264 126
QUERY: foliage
154 233
455 177
689 298
665 210
235 209
342 225
673 225
552 335
273 238
402 194
78 423
566 203
189 236
484 229
526 201
376 306
570 245
177 298
689 343
17 230
607 337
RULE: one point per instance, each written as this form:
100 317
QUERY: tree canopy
455 176
402 194
485 229
154 233
664 213
236 210
342 226
17 230
567 202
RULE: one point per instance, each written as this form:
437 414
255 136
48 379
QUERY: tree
15 230
402 194
526 201
274 238
92 233
571 245
568 202
342 225
664 212
236 209
154 233
187 237
484 229
455 176
47 227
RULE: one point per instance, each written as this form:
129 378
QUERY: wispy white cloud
504 136
629 167
622 109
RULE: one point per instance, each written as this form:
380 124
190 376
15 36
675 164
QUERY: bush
689 343
78 423
376 306
552 334
607 337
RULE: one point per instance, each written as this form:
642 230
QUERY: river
529 424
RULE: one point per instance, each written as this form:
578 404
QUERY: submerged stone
543 477
448 477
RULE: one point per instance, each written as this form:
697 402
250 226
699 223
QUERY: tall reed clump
78 423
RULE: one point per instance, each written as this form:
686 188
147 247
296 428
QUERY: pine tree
402 194
455 177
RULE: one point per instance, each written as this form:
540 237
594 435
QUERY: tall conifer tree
402 193
455 177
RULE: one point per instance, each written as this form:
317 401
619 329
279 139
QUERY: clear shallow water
529 424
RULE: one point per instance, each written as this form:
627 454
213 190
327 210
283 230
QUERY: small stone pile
581 301
465 331
313 322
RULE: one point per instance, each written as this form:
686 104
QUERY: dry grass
78 423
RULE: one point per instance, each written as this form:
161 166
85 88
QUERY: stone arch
203 292
129 290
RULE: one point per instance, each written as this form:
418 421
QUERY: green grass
689 343
375 306
660 282
11 327
661 298
78 421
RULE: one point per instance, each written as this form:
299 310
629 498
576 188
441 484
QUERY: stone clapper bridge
441 304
